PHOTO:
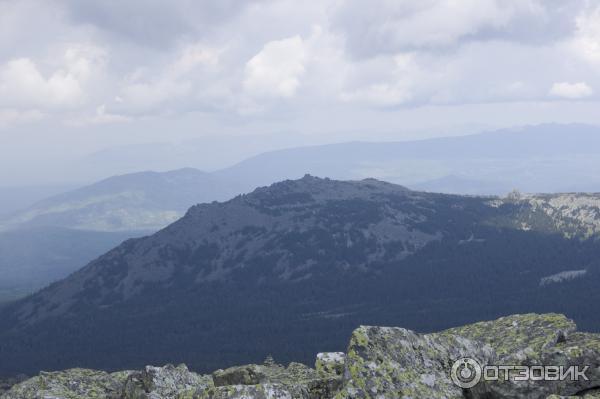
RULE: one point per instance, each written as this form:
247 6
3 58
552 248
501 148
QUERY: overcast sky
79 76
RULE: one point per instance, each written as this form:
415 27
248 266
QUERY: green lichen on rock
8 382
165 382
593 394
385 362
518 336
328 363
532 339
70 384
274 380
263 391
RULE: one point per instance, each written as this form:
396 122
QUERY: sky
77 77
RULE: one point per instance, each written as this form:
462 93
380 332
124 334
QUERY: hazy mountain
540 158
544 158
56 236
14 198
32 258
137 201
292 268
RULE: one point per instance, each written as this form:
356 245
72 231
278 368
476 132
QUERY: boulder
535 340
386 362
328 363
273 381
70 384
165 382
7 383
251 374
263 391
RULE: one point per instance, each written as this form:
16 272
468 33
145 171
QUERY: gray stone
165 382
386 362
70 384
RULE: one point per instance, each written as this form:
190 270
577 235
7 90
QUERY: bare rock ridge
380 362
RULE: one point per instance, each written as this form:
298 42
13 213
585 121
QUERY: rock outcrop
385 362
71 384
165 382
381 362
330 363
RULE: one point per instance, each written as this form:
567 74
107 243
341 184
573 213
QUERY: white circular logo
466 372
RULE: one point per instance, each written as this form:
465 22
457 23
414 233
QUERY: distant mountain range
545 158
292 268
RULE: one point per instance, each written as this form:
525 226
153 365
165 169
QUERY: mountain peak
311 188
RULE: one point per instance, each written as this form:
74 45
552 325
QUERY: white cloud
147 88
277 69
230 62
587 37
384 82
571 90
22 83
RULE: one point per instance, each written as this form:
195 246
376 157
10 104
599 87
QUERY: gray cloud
388 27
154 23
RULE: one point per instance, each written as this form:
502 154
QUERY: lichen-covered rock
519 337
385 362
250 374
7 383
165 382
263 391
531 339
330 363
593 394
274 381
70 384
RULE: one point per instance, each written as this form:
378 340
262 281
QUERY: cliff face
380 362
301 263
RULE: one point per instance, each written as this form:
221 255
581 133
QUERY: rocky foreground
381 362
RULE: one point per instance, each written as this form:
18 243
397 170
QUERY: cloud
230 60
276 70
587 36
22 84
571 91
384 82
145 90
154 23
389 26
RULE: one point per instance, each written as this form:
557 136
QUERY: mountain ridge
313 255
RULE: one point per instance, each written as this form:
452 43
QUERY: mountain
292 268
34 257
542 158
56 236
137 201
15 198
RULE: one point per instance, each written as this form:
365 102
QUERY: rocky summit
380 362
